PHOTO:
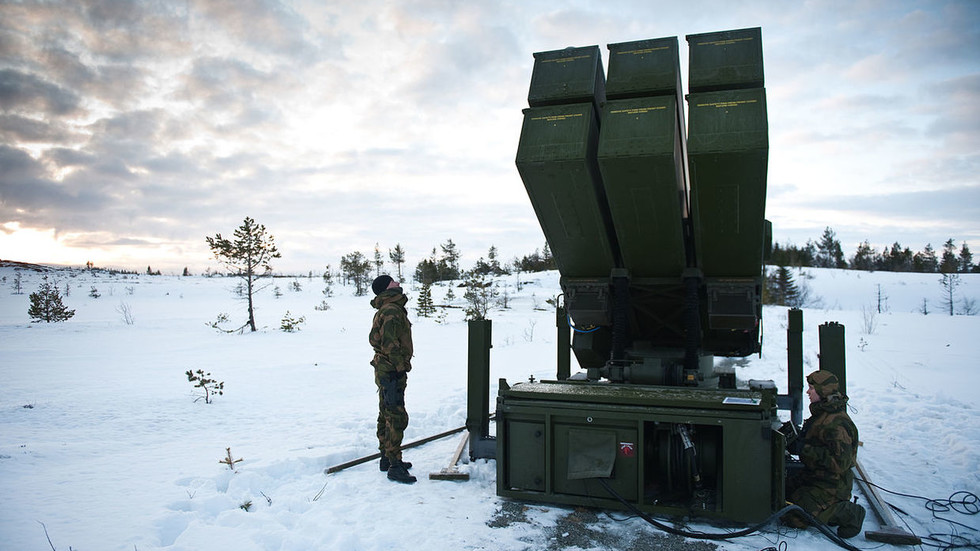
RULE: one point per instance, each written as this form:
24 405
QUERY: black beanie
381 283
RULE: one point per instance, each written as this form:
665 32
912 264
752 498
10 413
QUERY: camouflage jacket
829 449
391 333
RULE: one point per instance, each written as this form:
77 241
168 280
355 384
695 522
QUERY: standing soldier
391 338
830 440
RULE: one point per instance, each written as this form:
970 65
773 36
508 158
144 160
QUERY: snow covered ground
103 444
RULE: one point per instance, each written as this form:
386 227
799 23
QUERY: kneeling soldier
829 451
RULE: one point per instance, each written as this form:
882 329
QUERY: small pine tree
46 304
290 324
397 256
949 282
251 249
379 262
480 295
210 387
327 282
426 308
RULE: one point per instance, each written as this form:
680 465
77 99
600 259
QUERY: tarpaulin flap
591 453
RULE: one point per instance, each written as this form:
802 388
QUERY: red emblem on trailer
627 449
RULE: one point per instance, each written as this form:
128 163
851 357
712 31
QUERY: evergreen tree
449 262
949 264
327 282
356 268
479 295
865 258
426 308
790 255
925 261
494 262
789 293
397 256
829 252
427 271
896 259
251 249
966 259
780 288
378 261
548 258
46 304
536 261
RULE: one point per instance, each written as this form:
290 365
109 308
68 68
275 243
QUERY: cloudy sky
129 131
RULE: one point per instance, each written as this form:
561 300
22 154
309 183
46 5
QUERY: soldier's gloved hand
789 430
793 440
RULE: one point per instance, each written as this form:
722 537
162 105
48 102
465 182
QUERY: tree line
827 253
442 264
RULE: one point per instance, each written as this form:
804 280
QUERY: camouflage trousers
822 503
392 416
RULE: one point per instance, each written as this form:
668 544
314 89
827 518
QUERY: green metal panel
725 60
644 68
642 171
572 75
734 401
794 363
526 449
728 146
563 343
832 352
741 451
478 380
556 160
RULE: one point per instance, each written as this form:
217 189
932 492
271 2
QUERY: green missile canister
726 60
643 156
556 160
641 165
572 75
644 68
728 144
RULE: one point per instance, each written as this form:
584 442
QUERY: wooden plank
452 472
890 531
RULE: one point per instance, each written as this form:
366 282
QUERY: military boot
849 518
398 472
385 463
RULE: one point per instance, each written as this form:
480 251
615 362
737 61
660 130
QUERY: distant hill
25 266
